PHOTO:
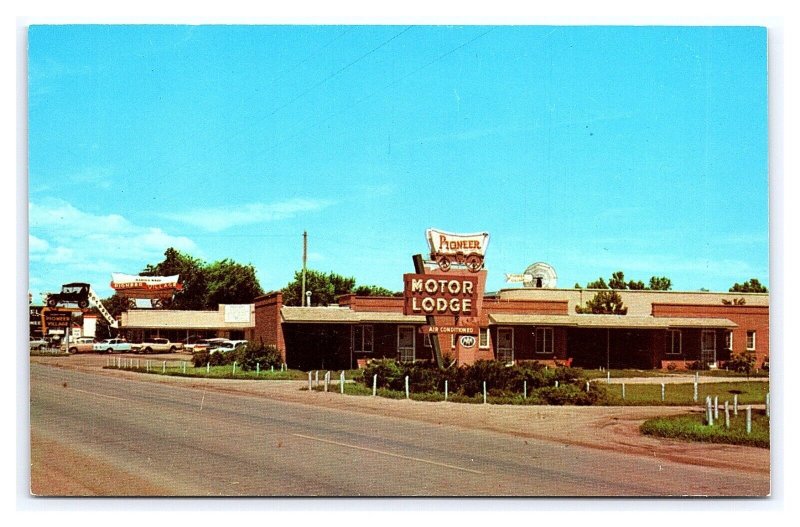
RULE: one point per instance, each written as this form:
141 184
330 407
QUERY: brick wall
268 321
747 318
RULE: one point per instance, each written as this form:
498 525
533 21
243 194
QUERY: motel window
362 339
751 340
729 340
505 344
483 338
709 340
674 344
406 343
544 340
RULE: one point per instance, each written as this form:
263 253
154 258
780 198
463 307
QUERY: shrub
741 362
672 366
568 394
250 355
696 365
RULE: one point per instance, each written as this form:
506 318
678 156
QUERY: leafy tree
753 286
373 290
597 284
638 285
192 275
604 303
660 283
325 288
578 286
229 282
617 280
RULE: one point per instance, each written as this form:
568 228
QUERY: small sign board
57 319
450 330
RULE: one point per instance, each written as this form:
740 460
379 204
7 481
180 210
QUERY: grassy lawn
692 427
617 374
682 394
214 372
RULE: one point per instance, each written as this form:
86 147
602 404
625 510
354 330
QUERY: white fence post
208 367
164 367
525 389
341 382
556 384
484 392
184 367
272 368
316 378
258 368
445 389
234 368
709 412
749 419
587 386
327 373
309 381
694 398
663 391
375 385
407 392
767 404
735 404
716 408
727 415
608 377
623 391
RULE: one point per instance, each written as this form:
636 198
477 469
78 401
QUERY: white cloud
221 218
70 245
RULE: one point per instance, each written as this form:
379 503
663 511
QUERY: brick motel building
660 329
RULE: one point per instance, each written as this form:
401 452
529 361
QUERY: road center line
356 447
99 394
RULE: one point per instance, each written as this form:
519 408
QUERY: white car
113 346
228 346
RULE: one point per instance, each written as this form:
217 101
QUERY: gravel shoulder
607 428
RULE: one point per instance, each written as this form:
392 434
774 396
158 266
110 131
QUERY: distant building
233 321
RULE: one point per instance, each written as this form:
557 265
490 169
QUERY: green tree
660 283
604 303
617 281
597 284
325 288
637 285
373 290
229 282
192 276
752 286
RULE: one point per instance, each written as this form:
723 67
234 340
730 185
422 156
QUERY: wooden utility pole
305 256
419 268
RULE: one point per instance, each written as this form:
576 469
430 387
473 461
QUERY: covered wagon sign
448 248
439 294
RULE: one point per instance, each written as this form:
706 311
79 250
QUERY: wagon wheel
444 263
474 262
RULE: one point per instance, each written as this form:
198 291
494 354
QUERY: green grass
214 372
682 394
692 427
617 374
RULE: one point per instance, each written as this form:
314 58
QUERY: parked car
228 346
157 345
81 345
190 342
39 344
207 344
112 346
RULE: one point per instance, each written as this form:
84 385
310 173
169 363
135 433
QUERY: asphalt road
101 435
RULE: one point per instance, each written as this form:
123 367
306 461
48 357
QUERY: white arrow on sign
519 277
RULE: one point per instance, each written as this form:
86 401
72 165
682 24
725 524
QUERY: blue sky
595 149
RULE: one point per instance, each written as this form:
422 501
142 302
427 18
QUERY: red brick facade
268 330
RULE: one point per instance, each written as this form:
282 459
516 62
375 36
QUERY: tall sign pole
419 268
305 256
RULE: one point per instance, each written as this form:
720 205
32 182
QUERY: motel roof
344 315
610 321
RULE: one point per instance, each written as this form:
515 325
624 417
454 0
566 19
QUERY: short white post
663 389
484 392
309 381
137 364
716 408
587 386
375 385
147 364
164 367
727 415
407 392
208 367
445 389
234 368
258 368
341 382
184 367
316 378
608 377
272 368
749 419
623 391
556 384
694 398
767 405
696 377
326 380
525 389
735 404
709 413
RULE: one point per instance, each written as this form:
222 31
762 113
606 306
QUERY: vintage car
81 345
157 345
75 293
112 346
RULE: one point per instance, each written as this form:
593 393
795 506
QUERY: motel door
405 343
505 344
708 347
